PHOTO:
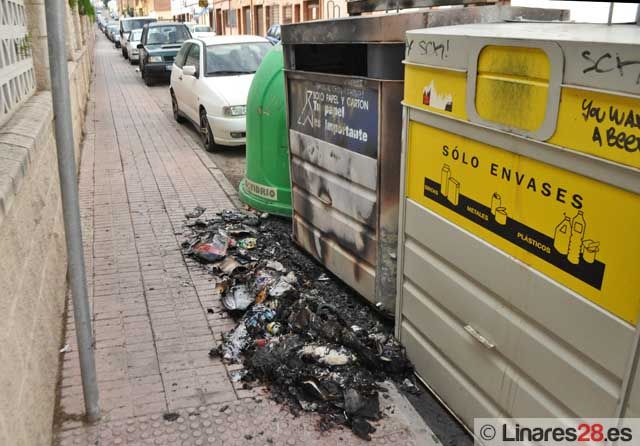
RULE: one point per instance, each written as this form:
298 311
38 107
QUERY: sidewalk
140 173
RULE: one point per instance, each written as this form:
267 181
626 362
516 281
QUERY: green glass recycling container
267 185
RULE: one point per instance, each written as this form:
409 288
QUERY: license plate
168 67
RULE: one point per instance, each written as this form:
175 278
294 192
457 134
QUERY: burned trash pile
310 338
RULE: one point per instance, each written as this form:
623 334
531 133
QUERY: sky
593 12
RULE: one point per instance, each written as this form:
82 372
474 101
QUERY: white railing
17 77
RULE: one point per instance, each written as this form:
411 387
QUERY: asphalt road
230 160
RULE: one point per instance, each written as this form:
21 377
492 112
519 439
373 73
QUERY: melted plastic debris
196 212
316 344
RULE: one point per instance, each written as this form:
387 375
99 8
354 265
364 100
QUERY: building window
258 19
274 14
246 23
231 18
287 14
312 10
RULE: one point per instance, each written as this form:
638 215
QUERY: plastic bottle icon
578 226
562 235
445 174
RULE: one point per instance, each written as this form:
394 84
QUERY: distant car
158 46
133 52
101 21
112 28
198 31
273 34
210 81
129 24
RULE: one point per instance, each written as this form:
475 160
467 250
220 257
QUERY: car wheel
206 134
147 81
176 111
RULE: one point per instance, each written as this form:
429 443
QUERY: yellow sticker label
577 231
440 91
600 124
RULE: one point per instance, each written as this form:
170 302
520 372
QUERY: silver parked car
132 46
112 29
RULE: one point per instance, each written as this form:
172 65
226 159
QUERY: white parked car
200 31
210 81
132 46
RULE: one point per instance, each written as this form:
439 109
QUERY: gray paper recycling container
344 86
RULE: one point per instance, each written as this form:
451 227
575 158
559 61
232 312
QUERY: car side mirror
189 70
140 46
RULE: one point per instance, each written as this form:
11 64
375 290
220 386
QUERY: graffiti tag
429 48
606 63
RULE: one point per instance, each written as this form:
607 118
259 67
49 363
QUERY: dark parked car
158 46
273 34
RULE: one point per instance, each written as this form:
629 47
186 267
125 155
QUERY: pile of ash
312 340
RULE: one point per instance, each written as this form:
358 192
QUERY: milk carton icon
562 236
445 174
453 191
578 227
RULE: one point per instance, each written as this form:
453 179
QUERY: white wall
594 12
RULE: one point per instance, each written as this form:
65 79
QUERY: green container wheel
267 185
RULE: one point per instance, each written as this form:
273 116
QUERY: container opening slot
345 59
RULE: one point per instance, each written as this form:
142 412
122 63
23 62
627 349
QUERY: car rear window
128 25
235 58
166 35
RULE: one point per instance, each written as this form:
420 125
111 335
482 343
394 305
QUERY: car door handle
180 77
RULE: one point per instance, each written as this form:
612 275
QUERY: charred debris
315 343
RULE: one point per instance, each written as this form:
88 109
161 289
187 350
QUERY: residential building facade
228 17
161 9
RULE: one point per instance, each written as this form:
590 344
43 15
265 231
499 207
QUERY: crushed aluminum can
247 243
274 328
